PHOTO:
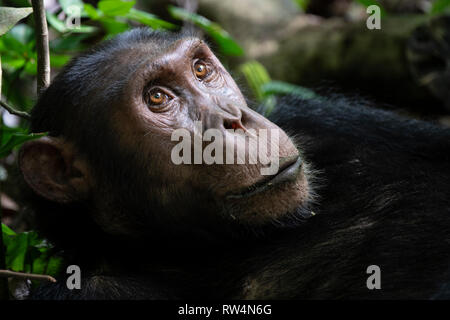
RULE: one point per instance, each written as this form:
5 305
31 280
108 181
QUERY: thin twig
15 112
190 6
31 276
43 54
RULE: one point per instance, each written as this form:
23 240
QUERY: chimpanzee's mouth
288 172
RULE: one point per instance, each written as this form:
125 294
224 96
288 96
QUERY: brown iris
200 69
157 97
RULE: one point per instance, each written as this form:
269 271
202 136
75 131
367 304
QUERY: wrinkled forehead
121 66
142 54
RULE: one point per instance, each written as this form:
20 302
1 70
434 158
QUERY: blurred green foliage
10 138
440 6
26 252
303 4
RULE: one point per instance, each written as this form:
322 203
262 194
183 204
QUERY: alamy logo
374 280
262 147
374 20
74 280
73 19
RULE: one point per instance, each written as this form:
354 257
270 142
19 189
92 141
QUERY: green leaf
11 45
7 132
31 67
59 60
256 76
115 7
54 265
43 260
7 231
273 88
27 252
439 6
56 23
83 29
283 88
226 44
18 42
73 6
93 13
149 19
303 4
10 16
16 250
113 27
17 139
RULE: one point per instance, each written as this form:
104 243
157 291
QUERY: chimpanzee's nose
223 116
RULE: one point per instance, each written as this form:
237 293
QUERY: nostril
243 119
233 124
228 124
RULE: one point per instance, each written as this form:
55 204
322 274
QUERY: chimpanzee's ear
54 170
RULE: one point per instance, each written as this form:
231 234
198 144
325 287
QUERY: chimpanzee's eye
201 70
157 98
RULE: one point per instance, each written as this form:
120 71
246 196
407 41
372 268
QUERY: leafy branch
9 17
43 55
15 112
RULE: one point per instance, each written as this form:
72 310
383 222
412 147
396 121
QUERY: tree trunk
404 63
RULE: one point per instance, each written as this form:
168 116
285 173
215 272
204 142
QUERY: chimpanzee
356 186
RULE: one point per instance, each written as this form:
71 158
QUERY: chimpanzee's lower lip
287 173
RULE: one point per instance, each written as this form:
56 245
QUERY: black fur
383 200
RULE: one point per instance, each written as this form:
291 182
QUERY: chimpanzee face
173 107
